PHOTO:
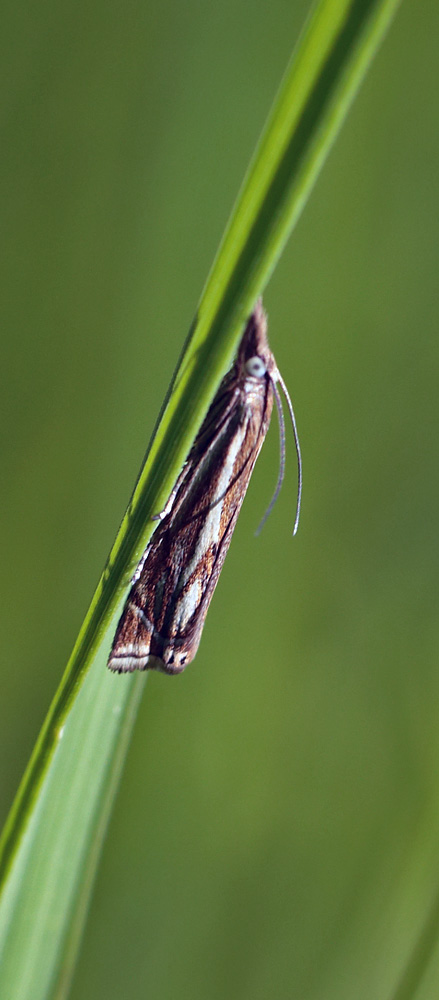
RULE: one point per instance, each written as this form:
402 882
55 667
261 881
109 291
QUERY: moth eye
255 366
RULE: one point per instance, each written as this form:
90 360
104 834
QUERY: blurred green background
277 828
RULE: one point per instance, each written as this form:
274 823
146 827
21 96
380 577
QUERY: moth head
254 357
255 367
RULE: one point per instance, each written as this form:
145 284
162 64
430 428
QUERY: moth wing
132 641
192 636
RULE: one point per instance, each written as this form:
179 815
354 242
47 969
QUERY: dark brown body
162 621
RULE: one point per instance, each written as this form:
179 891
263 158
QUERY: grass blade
51 841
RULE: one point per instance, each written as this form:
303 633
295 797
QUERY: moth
163 618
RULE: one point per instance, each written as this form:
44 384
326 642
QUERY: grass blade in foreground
51 841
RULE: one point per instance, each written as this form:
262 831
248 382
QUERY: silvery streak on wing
162 621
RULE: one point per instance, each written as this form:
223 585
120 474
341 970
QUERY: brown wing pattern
161 625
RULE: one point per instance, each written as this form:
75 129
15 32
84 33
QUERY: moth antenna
298 451
281 474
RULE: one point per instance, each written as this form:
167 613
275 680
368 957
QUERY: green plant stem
46 864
